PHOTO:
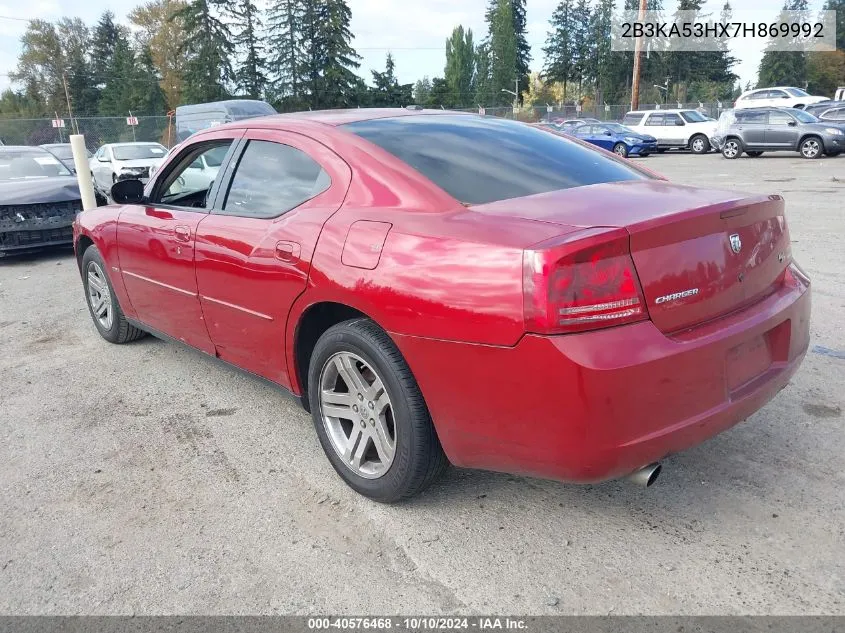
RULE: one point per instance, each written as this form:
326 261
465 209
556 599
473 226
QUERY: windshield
692 116
23 163
478 160
138 152
804 117
797 92
619 128
64 152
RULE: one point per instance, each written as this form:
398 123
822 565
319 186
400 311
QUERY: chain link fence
159 129
97 131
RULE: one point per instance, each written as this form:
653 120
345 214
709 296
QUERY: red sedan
441 287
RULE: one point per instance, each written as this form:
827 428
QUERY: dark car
64 153
39 198
758 130
831 111
617 138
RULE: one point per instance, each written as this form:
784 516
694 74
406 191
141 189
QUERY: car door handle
287 251
183 233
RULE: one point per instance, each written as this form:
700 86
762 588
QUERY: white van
199 116
681 129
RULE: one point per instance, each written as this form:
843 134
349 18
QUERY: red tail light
579 284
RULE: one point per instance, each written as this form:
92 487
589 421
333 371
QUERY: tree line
299 54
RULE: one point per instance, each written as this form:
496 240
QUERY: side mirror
608 133
792 123
784 96
127 191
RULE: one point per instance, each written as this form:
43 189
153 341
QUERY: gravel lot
147 479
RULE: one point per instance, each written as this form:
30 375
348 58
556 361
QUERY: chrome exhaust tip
645 476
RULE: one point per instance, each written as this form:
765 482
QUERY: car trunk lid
699 254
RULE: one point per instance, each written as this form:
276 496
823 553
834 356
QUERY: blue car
617 138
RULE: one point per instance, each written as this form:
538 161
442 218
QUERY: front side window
479 160
672 119
691 116
271 179
189 182
779 118
804 117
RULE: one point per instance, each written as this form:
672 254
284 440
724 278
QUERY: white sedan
123 161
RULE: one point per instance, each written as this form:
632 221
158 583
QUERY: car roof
133 143
48 145
332 117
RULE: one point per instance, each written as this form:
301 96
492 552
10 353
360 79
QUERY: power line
8 17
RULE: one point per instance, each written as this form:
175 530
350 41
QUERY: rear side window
759 117
654 119
478 160
272 179
632 118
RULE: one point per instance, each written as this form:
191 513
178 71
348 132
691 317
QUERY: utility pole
73 124
638 50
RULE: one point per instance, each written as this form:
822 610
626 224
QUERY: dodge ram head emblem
736 243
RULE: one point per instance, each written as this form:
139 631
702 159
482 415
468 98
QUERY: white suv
683 129
778 97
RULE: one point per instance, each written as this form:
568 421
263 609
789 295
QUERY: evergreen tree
441 95
208 50
784 68
839 7
330 58
600 70
460 65
483 81
386 91
103 42
146 94
116 97
249 76
523 50
582 44
503 52
559 48
285 30
422 90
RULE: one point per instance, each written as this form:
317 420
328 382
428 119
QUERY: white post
83 172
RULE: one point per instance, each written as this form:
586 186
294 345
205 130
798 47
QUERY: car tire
699 144
732 148
102 302
620 149
387 460
755 154
811 147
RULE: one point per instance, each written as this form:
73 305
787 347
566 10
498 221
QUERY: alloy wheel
620 150
698 145
357 415
810 148
99 296
731 149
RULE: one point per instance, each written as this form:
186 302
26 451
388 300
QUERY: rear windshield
478 160
61 151
138 152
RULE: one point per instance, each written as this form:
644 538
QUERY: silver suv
758 130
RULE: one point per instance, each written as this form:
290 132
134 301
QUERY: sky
414 32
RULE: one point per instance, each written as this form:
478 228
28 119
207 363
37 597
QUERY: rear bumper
599 405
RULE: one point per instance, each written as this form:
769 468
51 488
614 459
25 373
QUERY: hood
138 162
36 190
648 138
822 125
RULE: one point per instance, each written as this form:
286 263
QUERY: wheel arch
304 330
809 135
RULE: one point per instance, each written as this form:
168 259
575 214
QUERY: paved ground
145 479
